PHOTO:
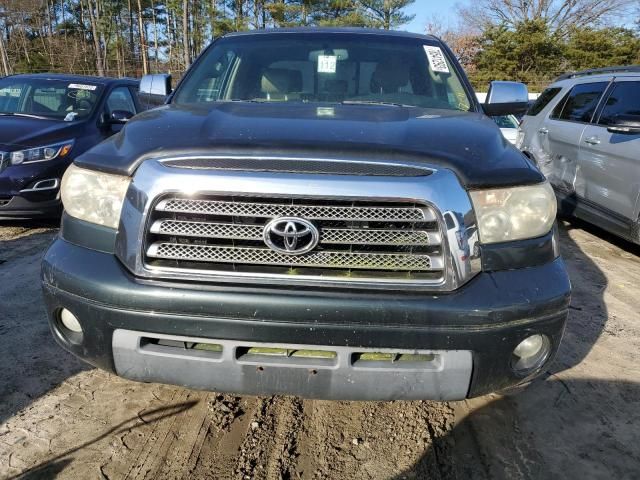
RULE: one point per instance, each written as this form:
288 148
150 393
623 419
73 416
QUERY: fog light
70 321
531 353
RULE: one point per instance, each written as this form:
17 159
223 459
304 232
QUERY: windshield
55 99
325 68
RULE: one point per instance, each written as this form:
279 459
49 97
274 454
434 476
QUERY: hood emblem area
291 235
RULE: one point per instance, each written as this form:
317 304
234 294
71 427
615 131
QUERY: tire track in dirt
226 431
363 440
169 438
290 438
270 447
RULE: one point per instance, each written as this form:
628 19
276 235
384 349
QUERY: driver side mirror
119 117
625 124
154 89
506 98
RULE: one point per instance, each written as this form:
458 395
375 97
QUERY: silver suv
583 132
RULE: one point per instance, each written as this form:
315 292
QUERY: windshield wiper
374 102
28 115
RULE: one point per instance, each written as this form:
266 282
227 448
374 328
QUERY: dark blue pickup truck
320 212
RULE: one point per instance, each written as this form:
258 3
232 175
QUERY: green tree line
530 52
533 41
134 37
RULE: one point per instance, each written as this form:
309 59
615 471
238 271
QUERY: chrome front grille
358 240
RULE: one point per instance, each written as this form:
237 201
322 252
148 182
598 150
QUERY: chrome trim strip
441 191
266 158
35 188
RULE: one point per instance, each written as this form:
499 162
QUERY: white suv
584 134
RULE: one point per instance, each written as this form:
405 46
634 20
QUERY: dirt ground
61 418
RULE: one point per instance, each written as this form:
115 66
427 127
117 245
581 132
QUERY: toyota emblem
291 235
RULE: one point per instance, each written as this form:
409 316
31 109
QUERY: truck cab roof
335 31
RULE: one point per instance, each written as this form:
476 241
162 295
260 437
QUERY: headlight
506 214
41 154
94 196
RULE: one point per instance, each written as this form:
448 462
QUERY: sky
425 10
445 11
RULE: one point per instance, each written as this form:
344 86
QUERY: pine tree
387 14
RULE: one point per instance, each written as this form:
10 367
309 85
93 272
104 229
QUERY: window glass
213 77
506 121
624 100
55 99
580 102
321 68
448 219
120 99
557 110
543 100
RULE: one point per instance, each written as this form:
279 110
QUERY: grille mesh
311 212
208 230
263 256
378 237
329 235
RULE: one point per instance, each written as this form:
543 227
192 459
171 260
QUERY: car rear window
543 100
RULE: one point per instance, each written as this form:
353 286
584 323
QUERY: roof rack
598 71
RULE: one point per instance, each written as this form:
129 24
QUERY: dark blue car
46 121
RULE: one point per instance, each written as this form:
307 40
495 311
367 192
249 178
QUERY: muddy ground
61 418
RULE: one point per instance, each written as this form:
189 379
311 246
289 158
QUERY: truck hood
468 143
23 132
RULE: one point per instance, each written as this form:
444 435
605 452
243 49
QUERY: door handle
543 131
592 140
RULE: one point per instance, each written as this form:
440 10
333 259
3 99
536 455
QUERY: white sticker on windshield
327 63
81 86
436 59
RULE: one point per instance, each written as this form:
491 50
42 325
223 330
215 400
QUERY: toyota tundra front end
325 213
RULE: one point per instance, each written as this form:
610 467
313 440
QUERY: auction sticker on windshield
327 63
81 86
436 59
